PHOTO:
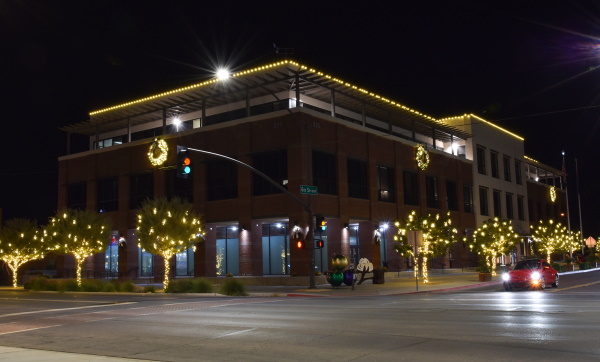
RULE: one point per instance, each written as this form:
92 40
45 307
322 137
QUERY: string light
81 233
554 237
493 239
166 227
21 241
422 157
438 236
157 154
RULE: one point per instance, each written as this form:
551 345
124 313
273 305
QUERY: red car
534 273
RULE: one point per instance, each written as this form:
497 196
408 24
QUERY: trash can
378 276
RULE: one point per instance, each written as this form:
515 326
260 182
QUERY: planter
485 277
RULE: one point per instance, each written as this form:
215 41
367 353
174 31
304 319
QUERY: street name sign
308 190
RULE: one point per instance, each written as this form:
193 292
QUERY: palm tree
21 240
167 227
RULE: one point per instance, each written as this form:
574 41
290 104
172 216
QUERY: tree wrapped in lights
554 237
493 239
438 236
21 240
81 233
166 227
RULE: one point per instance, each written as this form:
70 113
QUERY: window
483 201
324 173
431 186
274 165
275 249
228 251
77 196
451 200
468 198
481 160
142 188
509 206
494 161
386 185
221 180
518 177
145 260
108 195
178 186
411 188
520 211
358 184
497 203
506 168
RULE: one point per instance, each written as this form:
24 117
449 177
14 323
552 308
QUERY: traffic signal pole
307 207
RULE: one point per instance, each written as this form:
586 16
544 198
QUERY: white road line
62 309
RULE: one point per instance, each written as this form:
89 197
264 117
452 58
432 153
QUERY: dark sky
529 66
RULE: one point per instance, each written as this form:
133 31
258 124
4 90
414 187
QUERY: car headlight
505 277
535 275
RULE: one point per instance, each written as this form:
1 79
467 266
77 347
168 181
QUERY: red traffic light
320 243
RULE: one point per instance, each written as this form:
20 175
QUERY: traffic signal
184 162
300 244
321 224
320 243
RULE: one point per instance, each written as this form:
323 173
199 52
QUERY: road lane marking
63 309
237 332
575 286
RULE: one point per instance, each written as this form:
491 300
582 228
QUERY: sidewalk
393 285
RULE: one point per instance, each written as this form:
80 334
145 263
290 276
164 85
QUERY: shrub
69 285
91 285
149 289
229 275
125 287
233 287
189 285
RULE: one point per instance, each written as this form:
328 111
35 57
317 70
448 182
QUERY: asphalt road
474 325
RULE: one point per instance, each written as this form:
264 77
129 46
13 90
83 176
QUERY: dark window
497 203
451 199
149 133
494 161
224 117
520 211
481 160
386 184
483 201
179 187
468 198
506 168
411 188
221 180
142 188
324 173
518 177
108 195
358 184
77 196
509 206
431 186
274 165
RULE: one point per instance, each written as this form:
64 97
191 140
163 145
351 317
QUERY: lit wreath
552 193
422 157
158 152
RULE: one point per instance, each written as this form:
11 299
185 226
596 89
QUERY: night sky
531 68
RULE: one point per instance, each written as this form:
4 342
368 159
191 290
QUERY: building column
205 257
